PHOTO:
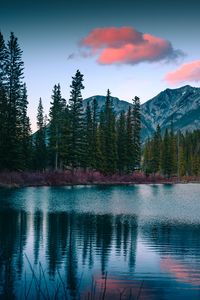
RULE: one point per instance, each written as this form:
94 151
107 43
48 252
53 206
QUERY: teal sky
50 33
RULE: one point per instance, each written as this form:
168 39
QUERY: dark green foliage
136 131
56 114
179 154
129 141
25 130
3 128
156 151
15 127
73 138
64 138
108 137
76 145
121 143
3 104
40 154
89 148
3 60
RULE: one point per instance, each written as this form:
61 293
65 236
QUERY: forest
73 138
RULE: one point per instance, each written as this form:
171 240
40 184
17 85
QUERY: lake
100 242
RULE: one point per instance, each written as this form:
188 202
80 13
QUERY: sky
131 47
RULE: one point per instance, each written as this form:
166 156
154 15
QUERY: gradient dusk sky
131 47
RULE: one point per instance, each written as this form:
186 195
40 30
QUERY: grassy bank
50 178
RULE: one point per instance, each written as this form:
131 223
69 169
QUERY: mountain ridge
180 105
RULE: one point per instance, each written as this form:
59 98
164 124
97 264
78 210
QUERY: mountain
182 106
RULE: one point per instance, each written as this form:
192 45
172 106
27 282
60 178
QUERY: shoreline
62 179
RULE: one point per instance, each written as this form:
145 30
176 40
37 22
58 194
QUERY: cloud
125 45
187 72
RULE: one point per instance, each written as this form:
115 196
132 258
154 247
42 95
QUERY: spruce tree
3 61
40 154
129 141
121 143
101 163
136 132
156 151
14 75
166 159
95 139
56 113
3 105
76 145
25 130
3 129
109 136
89 154
147 157
64 150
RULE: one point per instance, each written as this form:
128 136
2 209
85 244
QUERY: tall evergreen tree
40 155
25 130
64 149
3 104
156 151
129 141
89 154
56 114
95 138
121 143
109 136
3 128
136 131
14 75
3 60
76 121
101 142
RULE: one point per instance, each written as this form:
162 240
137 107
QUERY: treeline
173 154
15 142
72 137
78 137
87 138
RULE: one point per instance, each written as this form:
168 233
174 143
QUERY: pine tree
173 150
88 153
3 104
110 150
56 113
136 132
181 166
101 163
3 128
3 61
76 121
121 143
147 157
14 75
129 141
95 138
40 157
156 151
25 139
166 159
64 150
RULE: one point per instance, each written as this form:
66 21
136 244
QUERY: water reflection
76 253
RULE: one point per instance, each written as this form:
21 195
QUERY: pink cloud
125 45
187 72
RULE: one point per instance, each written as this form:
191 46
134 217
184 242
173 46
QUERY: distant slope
182 106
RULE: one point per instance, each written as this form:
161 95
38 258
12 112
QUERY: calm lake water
113 242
